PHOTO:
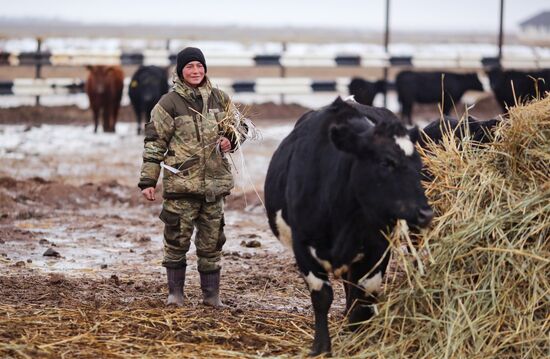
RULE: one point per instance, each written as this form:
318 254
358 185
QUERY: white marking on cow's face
314 283
324 263
285 234
405 143
373 284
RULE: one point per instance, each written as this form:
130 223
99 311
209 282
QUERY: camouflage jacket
183 133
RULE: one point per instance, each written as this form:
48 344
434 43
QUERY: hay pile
485 291
86 332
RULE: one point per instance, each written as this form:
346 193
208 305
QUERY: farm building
536 29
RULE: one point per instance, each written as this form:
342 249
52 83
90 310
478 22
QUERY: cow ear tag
133 84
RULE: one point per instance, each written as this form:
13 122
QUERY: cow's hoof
359 315
315 353
323 350
354 327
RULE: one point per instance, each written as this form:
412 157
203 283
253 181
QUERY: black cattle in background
526 84
481 131
425 87
365 91
147 86
478 130
343 176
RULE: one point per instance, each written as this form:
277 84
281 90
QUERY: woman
191 129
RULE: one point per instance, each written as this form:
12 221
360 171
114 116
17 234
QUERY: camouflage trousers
181 217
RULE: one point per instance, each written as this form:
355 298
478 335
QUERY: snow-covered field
74 154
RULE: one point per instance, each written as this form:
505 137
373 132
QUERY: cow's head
97 77
385 170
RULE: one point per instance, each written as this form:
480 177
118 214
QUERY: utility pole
500 32
386 47
38 66
282 70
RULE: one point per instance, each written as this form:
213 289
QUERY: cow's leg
137 112
96 119
95 111
406 112
106 116
364 286
138 119
321 295
321 300
139 123
447 104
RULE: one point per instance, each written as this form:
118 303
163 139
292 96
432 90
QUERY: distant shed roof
540 20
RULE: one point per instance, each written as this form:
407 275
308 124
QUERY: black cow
425 87
478 130
148 85
525 85
365 91
346 173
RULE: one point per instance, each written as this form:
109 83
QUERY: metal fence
281 85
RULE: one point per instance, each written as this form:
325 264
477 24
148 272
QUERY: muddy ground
75 235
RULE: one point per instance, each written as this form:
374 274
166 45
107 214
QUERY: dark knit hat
187 55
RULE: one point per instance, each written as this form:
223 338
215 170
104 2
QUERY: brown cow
104 89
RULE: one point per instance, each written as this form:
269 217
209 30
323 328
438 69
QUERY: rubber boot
210 285
176 280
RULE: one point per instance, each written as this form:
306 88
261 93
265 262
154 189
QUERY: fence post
500 32
386 48
38 65
282 69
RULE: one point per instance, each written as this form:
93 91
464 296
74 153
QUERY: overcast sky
450 15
